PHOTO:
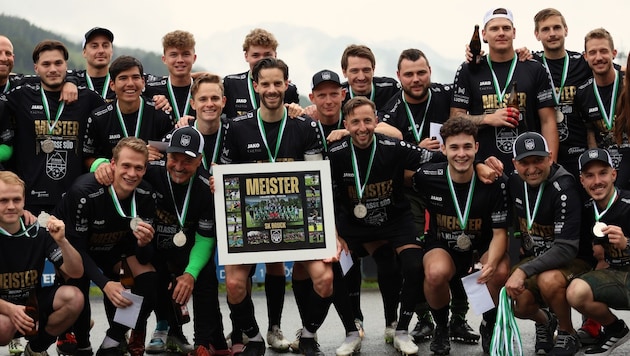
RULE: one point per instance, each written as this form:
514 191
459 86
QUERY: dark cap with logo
592 155
97 31
325 76
187 140
530 144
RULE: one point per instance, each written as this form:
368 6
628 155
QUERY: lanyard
355 168
171 95
531 215
599 215
495 81
321 130
563 76
118 207
417 134
105 86
252 93
215 153
461 216
261 127
23 231
181 218
138 120
608 116
47 111
372 93
6 86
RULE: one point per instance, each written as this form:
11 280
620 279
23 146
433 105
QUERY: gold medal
463 242
133 224
360 211
48 146
597 229
179 239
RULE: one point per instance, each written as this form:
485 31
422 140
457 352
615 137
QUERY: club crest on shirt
56 164
505 138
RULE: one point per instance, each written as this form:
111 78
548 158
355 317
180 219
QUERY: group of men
109 195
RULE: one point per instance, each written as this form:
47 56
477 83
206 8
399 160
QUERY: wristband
97 162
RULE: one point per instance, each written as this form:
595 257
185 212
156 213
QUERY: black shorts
45 299
397 235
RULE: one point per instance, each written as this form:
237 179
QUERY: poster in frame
274 212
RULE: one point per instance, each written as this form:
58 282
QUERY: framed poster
274 212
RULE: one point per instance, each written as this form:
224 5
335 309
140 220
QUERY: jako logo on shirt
253 145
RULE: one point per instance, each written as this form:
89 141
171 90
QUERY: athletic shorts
396 235
610 286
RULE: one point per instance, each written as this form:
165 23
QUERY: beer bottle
475 47
513 102
32 309
126 277
182 316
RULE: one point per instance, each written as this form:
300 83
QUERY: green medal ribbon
372 93
495 81
23 231
506 337
355 168
610 115
252 93
261 127
119 208
417 134
215 152
47 111
171 95
563 77
599 215
181 218
138 120
531 215
461 217
105 86
6 86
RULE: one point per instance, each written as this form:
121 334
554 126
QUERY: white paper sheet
346 262
129 316
478 294
434 131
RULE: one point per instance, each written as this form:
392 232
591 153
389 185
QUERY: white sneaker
157 344
350 345
404 344
295 344
15 347
276 340
390 332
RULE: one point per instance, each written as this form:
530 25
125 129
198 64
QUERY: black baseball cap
97 31
187 140
592 155
530 144
325 76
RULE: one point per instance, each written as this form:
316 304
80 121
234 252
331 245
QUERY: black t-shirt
616 215
487 211
104 128
384 88
394 112
47 175
383 195
475 92
211 145
179 99
239 90
95 228
243 141
22 262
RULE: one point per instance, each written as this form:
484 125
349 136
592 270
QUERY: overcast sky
445 25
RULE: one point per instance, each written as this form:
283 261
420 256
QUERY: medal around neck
179 239
464 242
559 116
597 229
360 211
134 223
43 218
48 146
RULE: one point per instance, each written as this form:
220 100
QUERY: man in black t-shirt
23 250
605 223
108 224
546 205
461 221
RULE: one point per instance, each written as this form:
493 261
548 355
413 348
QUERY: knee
235 288
436 276
323 285
550 282
577 293
71 298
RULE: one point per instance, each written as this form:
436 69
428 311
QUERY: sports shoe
486 330
566 344
84 351
295 344
460 331
390 332
29 352
404 344
544 334
254 348
590 332
237 349
351 345
110 351
310 347
178 344
440 345
609 342
157 344
66 344
135 345
423 329
276 340
15 347
359 324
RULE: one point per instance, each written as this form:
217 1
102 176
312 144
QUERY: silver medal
133 224
48 145
597 229
360 211
463 242
528 242
42 219
559 116
179 239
